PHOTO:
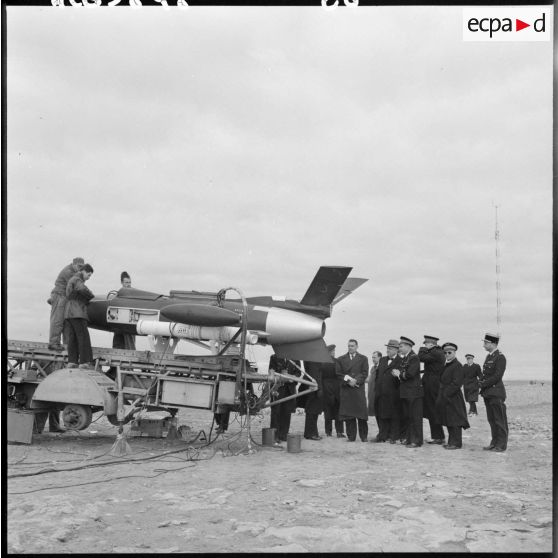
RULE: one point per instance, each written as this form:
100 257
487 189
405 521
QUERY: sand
333 496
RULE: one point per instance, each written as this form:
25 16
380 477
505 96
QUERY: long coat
491 384
434 361
352 399
386 402
312 402
410 385
286 388
450 403
471 376
372 390
330 384
78 296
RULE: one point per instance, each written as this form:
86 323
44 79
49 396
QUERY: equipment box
20 425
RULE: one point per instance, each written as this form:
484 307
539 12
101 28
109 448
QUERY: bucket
268 436
294 442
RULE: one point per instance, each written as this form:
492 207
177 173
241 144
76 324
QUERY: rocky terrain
237 496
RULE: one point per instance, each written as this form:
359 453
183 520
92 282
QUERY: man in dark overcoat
313 405
472 374
410 391
352 371
432 357
494 393
281 413
386 397
450 404
376 356
331 393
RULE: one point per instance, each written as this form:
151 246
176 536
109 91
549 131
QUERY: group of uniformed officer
403 388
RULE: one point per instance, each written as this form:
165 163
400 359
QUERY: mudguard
74 385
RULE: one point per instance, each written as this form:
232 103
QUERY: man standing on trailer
57 303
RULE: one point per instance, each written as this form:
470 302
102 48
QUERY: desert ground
235 495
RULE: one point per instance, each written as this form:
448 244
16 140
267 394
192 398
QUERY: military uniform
411 393
494 394
433 360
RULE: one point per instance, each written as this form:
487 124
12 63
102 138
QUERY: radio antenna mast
498 285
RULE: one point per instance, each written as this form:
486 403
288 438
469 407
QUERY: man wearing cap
432 356
494 393
450 404
386 402
471 375
331 387
410 391
376 356
57 303
352 371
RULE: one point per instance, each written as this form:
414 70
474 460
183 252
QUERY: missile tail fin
349 286
315 351
325 286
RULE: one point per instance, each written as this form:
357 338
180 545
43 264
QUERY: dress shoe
364 439
378 439
340 435
435 441
86 366
349 440
450 447
498 449
316 438
56 348
328 435
413 445
393 441
220 430
71 365
490 447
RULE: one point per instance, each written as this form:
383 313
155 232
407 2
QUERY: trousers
310 425
455 436
412 415
436 430
79 342
58 305
281 420
498 421
351 426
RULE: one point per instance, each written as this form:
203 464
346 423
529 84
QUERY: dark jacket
386 400
62 280
434 361
450 404
78 296
312 402
352 399
410 384
491 384
285 388
471 376
372 390
330 383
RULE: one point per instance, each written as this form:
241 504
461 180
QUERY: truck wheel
77 417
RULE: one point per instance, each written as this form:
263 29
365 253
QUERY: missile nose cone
200 315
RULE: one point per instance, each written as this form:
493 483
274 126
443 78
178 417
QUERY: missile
200 315
295 329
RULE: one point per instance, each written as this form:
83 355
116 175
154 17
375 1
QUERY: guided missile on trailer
294 328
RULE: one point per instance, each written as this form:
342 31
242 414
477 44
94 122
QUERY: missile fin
325 285
314 351
349 286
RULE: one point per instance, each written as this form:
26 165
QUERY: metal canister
268 436
294 442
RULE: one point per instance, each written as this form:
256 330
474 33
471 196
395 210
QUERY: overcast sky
211 147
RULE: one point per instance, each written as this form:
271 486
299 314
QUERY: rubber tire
76 417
